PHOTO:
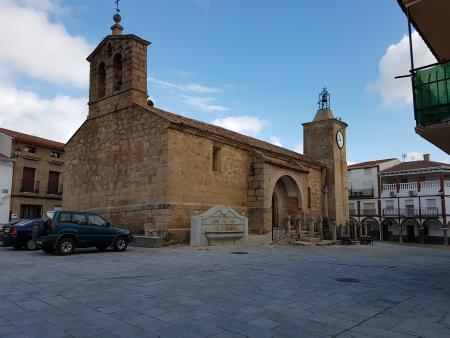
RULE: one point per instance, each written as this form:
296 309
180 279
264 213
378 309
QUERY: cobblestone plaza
383 290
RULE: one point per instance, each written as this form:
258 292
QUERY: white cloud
396 62
39 48
242 124
25 111
204 104
298 148
191 88
275 140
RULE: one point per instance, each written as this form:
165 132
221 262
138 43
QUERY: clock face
340 139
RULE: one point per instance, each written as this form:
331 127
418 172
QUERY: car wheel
102 247
48 250
120 244
66 246
17 246
31 245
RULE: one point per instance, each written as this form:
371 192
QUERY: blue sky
254 66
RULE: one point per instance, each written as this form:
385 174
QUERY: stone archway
390 230
410 230
286 200
431 231
371 228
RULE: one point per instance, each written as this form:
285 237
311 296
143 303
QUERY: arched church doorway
286 200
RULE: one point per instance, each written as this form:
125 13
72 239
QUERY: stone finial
117 27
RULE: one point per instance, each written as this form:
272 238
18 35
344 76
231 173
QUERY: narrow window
28 183
101 79
309 197
117 72
53 183
215 159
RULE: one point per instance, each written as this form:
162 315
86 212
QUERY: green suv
64 231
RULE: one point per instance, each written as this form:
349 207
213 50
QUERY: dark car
64 231
20 234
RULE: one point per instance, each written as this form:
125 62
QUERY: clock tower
324 140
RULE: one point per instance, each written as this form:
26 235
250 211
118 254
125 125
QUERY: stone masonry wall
116 165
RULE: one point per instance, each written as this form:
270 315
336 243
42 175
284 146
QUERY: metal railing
369 212
278 232
55 190
432 94
29 186
412 186
411 212
361 193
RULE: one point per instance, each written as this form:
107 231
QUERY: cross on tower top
117 6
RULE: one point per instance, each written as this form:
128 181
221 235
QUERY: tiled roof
369 164
415 165
230 135
33 140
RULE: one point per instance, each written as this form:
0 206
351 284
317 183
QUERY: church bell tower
118 72
324 140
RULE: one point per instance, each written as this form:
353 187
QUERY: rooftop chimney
426 157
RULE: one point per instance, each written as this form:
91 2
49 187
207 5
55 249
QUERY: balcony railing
432 94
368 212
412 186
411 212
55 190
29 186
361 193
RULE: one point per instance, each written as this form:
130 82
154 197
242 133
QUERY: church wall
199 180
116 165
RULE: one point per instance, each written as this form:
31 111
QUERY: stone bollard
287 224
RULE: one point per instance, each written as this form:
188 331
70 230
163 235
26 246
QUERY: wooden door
28 179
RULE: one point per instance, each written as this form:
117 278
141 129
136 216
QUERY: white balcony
411 189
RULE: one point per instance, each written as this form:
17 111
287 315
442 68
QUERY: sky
254 66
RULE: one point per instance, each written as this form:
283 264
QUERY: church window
309 197
101 79
215 159
117 65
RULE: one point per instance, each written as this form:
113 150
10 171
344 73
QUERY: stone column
381 232
298 226
401 234
311 228
320 229
445 236
356 231
365 230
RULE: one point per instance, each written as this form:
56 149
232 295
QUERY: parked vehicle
14 221
20 234
63 231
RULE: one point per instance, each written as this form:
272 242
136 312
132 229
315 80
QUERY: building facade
37 174
6 174
150 169
400 201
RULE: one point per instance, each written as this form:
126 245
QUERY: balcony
432 91
369 212
29 186
432 104
360 193
412 188
411 212
55 190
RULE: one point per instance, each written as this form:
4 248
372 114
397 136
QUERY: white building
400 201
6 175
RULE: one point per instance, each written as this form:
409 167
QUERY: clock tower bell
324 140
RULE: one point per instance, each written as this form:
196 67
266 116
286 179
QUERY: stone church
149 169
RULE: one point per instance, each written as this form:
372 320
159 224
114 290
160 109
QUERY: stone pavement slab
273 291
